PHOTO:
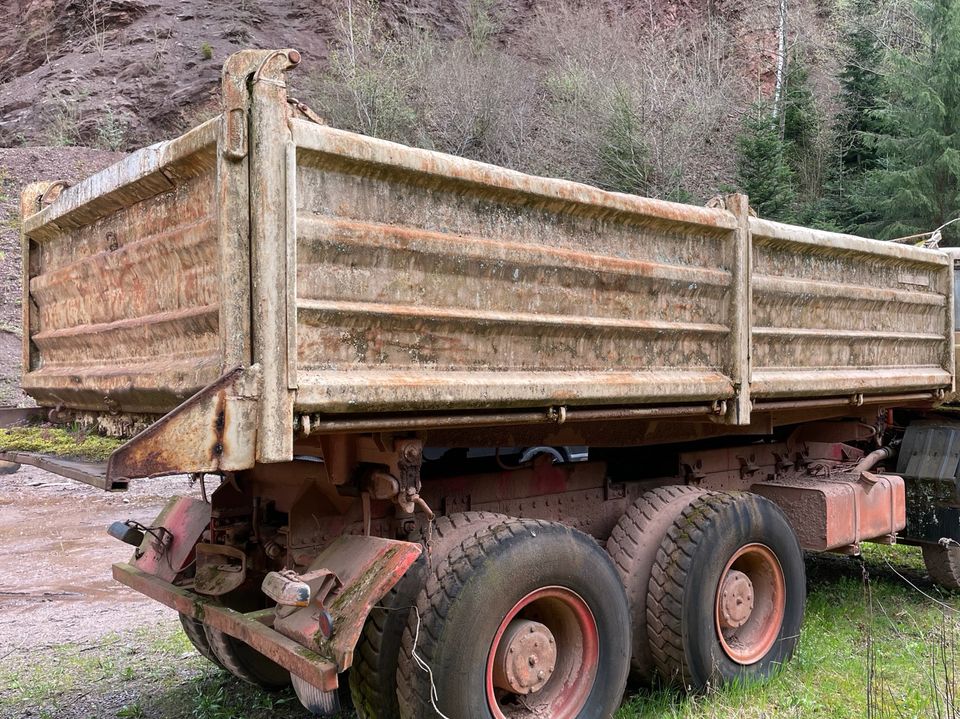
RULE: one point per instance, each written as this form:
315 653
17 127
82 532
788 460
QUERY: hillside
122 73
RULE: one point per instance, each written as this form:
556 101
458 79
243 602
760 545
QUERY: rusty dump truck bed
355 277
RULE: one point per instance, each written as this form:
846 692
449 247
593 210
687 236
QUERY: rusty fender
342 585
213 431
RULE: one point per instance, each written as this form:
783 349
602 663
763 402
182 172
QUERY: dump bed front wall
424 281
835 314
124 284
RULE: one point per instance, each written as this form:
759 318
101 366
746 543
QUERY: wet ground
75 644
55 557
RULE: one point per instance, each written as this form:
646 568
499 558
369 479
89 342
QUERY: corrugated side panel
427 281
835 314
124 283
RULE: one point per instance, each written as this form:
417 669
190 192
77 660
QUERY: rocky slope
122 73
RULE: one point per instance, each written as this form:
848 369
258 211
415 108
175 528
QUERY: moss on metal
58 441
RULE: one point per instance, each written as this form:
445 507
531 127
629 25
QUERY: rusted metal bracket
254 629
213 431
220 569
89 473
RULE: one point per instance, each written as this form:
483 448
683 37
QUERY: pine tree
859 121
916 187
762 169
861 90
801 119
802 138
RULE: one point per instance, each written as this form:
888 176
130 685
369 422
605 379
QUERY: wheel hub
526 657
750 603
736 599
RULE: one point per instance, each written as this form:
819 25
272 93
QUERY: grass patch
846 620
58 441
152 673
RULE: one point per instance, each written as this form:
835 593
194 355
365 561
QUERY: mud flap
168 543
365 569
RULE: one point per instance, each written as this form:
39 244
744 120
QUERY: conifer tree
861 91
801 119
859 122
802 140
916 187
762 169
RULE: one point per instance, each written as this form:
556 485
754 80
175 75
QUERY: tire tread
633 534
373 675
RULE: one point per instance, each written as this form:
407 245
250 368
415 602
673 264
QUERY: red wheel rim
562 615
750 604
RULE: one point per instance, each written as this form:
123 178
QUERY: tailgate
122 284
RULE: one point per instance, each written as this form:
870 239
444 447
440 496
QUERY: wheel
524 619
943 564
633 546
373 676
245 662
726 593
193 628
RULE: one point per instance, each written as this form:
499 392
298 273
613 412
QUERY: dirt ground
55 558
75 644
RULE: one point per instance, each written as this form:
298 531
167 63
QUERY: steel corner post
741 300
268 136
31 202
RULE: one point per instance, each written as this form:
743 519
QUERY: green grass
149 674
828 675
58 441
155 673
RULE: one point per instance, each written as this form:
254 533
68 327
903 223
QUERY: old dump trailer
503 436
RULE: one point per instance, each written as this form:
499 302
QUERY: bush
585 96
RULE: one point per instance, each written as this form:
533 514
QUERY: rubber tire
684 582
373 675
193 628
466 597
633 546
245 662
943 564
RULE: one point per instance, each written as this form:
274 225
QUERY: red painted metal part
185 519
367 568
750 604
254 629
571 623
841 510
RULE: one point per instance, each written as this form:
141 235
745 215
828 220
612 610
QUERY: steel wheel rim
572 625
752 572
